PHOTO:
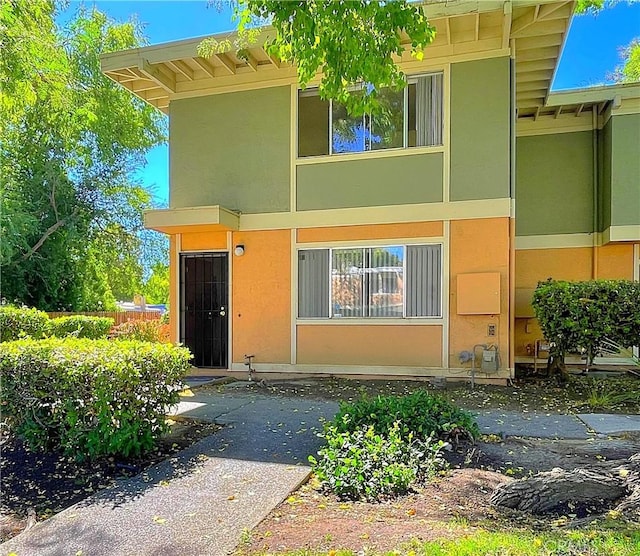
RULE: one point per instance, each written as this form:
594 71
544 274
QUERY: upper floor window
411 118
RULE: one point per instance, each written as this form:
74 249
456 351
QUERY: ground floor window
370 282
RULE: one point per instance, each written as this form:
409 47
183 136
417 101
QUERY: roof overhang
534 30
193 219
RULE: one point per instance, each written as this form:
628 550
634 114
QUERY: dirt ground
454 504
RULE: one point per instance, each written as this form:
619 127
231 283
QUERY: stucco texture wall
393 180
480 124
554 184
232 150
261 297
478 246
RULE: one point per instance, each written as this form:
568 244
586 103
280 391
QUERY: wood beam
477 26
526 77
250 60
579 110
542 29
226 62
532 86
536 65
506 25
205 65
161 78
181 67
538 54
550 9
557 112
449 40
523 21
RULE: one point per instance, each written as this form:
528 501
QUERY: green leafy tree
347 41
156 288
70 214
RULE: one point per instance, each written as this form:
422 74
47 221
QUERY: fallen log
580 490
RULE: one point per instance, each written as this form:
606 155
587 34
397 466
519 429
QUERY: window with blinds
370 282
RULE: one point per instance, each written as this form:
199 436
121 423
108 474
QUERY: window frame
372 319
411 79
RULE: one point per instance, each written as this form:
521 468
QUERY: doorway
204 308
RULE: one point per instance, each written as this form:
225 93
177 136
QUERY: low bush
81 326
142 330
420 414
585 316
22 322
363 464
90 397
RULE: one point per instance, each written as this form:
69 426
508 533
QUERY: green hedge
90 397
81 326
22 322
576 316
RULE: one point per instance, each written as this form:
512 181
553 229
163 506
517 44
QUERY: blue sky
591 53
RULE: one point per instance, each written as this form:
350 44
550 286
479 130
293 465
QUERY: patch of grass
621 541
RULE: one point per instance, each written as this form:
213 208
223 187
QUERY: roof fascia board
593 94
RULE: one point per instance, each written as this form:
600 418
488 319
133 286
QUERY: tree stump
579 491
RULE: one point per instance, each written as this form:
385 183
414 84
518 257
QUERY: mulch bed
37 485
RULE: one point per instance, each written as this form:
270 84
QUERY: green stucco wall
554 184
480 123
625 170
369 182
604 174
231 150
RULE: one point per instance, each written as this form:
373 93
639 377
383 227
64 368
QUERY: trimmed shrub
363 464
22 322
142 330
81 326
585 316
90 398
420 414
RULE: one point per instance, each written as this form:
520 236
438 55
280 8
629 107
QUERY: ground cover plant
382 446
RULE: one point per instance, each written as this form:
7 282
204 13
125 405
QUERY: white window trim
367 153
373 320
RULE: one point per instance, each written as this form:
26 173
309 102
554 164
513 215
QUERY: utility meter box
489 360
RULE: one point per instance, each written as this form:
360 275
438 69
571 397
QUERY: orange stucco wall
613 261
261 297
377 345
478 246
204 241
379 231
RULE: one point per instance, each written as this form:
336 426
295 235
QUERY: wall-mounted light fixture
239 250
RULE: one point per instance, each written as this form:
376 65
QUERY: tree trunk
581 491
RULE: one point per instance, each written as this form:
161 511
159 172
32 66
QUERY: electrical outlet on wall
491 330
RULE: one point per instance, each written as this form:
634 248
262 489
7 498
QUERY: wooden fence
118 316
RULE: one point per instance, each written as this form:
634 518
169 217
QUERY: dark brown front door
204 310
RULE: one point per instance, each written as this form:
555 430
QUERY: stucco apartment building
323 243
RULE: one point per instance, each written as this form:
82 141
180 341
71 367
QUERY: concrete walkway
202 500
